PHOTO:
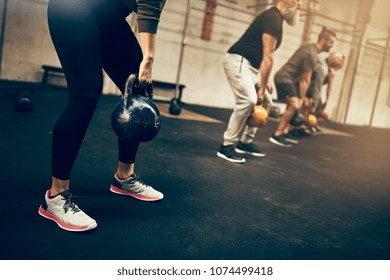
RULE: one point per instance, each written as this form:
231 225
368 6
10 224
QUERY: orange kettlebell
258 117
311 120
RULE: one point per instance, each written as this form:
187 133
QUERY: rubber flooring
327 198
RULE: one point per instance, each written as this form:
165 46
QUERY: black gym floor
327 198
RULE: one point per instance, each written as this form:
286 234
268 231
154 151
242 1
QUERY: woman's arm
148 17
148 46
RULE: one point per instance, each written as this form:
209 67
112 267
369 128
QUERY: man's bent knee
294 103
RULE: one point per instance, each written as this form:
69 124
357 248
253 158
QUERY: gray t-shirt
148 13
320 79
303 60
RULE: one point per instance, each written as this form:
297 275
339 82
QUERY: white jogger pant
244 81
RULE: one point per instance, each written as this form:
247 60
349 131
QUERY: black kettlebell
298 119
24 99
136 117
174 107
274 112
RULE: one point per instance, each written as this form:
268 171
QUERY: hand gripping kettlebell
136 118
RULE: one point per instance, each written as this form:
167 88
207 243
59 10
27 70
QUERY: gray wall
27 46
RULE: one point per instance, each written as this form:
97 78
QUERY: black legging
89 35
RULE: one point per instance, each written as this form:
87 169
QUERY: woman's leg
121 56
76 39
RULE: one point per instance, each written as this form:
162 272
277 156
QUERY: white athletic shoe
135 187
64 211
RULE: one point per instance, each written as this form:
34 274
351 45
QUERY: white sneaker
135 187
64 211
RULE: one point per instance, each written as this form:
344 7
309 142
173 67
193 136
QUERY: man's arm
318 84
331 76
304 83
269 44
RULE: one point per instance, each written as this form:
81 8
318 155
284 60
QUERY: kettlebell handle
132 81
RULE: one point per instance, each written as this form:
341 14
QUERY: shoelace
137 179
69 203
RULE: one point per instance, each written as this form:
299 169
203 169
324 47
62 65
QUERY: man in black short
293 80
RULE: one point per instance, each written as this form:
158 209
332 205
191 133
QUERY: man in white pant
248 64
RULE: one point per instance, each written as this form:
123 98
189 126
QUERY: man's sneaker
228 153
250 149
291 138
63 210
280 141
135 187
315 130
300 132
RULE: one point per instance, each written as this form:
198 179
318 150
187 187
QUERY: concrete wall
202 71
27 46
371 83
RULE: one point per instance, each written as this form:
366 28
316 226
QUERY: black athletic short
286 90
